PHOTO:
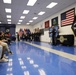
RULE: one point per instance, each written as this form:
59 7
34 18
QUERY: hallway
39 59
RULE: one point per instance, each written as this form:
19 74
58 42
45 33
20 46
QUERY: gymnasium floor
39 59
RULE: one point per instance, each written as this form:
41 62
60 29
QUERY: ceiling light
31 2
0 22
41 13
8 16
25 11
8 10
51 5
8 19
20 20
35 18
18 23
30 21
9 22
22 17
7 1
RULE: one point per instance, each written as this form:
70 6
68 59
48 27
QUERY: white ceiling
18 6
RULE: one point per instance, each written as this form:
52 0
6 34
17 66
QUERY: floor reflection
30 60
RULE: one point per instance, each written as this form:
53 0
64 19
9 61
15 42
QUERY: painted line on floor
63 54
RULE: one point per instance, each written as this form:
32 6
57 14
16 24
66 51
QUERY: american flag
67 18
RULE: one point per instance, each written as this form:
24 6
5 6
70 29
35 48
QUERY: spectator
4 44
2 59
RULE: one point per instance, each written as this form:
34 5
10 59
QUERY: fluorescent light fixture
31 2
28 23
35 18
18 23
7 1
8 16
9 22
25 11
20 20
41 13
0 22
8 10
31 21
51 5
22 17
8 19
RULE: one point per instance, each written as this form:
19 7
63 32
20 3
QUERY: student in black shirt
53 36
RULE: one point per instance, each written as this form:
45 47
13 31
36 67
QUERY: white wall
45 37
23 27
63 30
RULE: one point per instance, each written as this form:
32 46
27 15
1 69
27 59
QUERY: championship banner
47 24
54 21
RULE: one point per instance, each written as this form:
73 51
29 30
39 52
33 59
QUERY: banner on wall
54 21
67 17
47 25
